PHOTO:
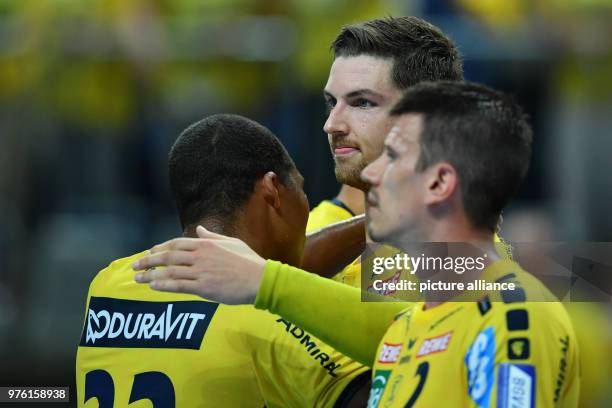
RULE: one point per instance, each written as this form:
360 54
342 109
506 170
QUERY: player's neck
456 228
212 225
353 198
237 229
463 241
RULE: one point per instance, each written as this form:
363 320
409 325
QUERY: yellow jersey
510 348
351 275
593 325
332 211
179 350
326 213
502 351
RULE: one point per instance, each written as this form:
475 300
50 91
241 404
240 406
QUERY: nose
336 122
373 171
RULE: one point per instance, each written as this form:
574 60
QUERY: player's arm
331 248
357 392
330 310
226 270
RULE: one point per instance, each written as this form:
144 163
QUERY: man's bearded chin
351 175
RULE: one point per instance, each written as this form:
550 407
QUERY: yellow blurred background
94 92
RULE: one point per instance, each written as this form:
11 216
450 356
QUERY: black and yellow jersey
179 350
508 349
503 351
326 213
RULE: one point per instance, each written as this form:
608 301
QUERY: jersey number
421 371
151 385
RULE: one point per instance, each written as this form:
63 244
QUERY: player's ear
442 181
269 187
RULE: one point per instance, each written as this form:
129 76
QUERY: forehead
407 130
360 72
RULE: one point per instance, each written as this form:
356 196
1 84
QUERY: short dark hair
420 51
214 164
483 133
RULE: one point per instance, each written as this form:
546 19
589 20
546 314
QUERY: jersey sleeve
329 310
294 368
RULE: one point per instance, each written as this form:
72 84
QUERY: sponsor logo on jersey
389 353
436 344
517 319
139 324
479 361
311 346
411 343
484 305
379 382
512 296
397 380
518 348
564 341
395 278
516 386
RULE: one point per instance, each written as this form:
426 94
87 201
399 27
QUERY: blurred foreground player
232 175
433 183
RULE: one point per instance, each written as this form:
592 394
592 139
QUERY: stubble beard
350 174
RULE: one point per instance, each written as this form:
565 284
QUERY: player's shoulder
514 285
325 213
124 263
350 274
407 312
117 269
526 305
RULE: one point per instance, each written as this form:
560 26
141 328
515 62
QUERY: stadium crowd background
93 93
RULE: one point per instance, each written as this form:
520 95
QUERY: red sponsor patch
394 279
436 344
389 353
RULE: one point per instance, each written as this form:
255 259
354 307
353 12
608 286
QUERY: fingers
166 258
176 286
204 233
173 272
169 252
177 244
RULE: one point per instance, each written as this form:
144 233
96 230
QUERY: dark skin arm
359 392
330 249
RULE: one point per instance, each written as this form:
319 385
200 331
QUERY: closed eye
391 154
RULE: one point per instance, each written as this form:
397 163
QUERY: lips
343 150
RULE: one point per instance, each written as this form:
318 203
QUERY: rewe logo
130 323
436 344
389 353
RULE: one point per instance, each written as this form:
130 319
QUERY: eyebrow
358 92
